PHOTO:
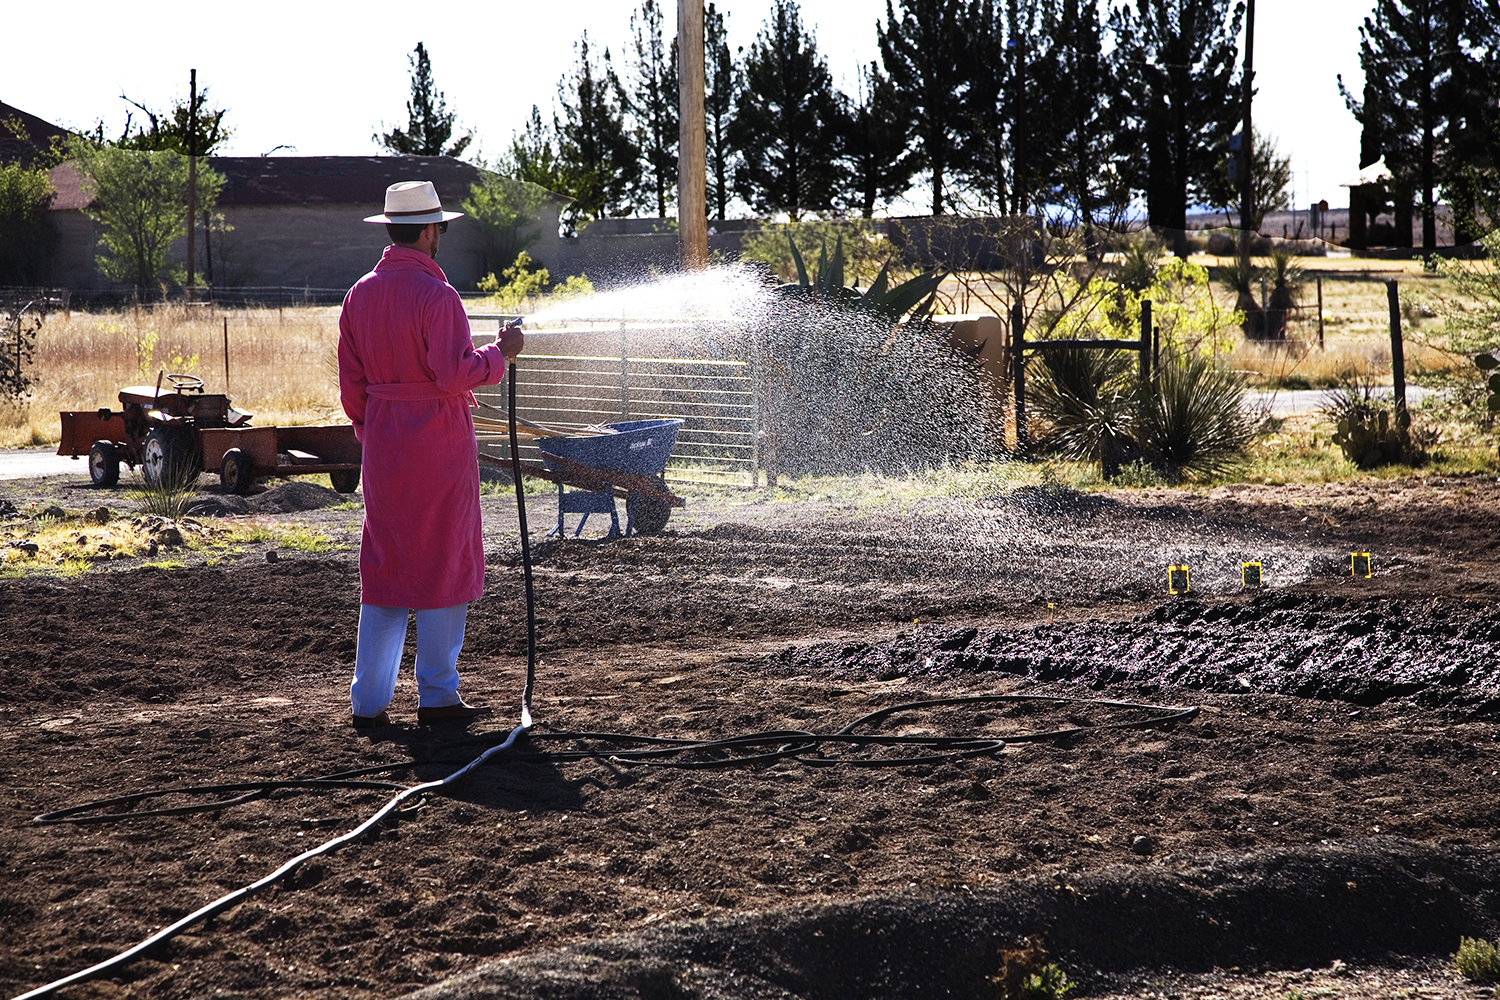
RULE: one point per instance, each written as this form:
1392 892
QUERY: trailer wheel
344 480
104 464
168 460
648 514
235 472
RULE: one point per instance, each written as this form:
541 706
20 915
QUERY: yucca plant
1240 278
1192 422
1087 398
1283 297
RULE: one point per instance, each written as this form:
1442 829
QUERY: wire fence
714 399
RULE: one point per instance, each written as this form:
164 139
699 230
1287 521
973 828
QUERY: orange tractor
173 434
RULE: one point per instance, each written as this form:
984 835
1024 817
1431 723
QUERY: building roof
38 135
336 180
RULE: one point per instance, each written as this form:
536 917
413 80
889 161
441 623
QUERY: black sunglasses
442 227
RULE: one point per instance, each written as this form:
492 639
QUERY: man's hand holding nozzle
512 339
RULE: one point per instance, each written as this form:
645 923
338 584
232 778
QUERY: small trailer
173 434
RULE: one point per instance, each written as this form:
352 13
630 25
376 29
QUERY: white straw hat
413 202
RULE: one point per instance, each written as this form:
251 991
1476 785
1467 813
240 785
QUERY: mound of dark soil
1436 654
1359 902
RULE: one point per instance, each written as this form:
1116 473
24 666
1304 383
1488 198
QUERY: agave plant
826 284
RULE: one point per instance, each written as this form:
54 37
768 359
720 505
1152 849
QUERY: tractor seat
145 395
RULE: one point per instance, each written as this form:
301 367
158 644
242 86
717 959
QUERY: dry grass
280 363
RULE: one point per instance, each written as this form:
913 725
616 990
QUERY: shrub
1478 959
1193 422
1190 422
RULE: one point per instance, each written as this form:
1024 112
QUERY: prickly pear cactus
1489 363
1368 437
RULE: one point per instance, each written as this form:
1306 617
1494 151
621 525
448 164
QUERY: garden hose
515 471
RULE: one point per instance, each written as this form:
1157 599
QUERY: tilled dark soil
1334 799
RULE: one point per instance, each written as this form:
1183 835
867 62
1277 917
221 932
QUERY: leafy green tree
923 50
720 85
1270 175
875 150
1418 60
596 152
429 123
27 237
191 131
137 197
787 124
506 209
1183 82
653 102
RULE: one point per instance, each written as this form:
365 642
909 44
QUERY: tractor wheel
168 460
649 515
104 464
235 472
344 480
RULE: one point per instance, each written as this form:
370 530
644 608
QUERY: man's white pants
377 657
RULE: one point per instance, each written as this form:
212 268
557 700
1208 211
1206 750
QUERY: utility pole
192 191
692 160
1247 143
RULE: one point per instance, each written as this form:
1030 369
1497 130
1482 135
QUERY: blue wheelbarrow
628 461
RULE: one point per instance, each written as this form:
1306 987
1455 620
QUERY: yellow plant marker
1177 579
1359 564
1250 574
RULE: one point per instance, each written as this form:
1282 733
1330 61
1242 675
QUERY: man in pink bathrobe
406 366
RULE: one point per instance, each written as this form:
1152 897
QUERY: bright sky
322 78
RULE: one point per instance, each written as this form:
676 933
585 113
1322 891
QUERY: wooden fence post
1018 355
1145 343
1398 359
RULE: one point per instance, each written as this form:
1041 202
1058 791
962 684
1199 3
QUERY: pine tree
653 103
596 152
1092 172
1418 66
1009 139
532 157
429 123
923 51
721 84
786 125
875 146
1182 80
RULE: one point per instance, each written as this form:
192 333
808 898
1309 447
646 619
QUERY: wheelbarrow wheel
344 480
236 472
650 514
104 463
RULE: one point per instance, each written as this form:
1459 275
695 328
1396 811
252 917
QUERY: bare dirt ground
1325 826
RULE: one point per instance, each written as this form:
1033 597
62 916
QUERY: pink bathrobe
406 365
